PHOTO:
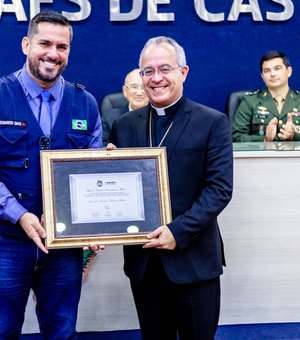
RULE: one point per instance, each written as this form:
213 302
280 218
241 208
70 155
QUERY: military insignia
297 128
295 112
78 124
262 110
251 93
261 131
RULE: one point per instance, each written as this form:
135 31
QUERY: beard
47 77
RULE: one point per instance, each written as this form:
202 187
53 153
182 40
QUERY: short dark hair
48 16
274 54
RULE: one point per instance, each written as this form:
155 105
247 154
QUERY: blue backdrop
223 56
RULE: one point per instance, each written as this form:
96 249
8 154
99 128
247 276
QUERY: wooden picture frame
100 196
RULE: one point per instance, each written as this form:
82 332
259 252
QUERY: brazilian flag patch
78 124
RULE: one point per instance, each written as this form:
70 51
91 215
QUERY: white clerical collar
161 110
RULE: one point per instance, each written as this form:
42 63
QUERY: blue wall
223 56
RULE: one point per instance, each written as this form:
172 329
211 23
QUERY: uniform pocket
79 140
13 146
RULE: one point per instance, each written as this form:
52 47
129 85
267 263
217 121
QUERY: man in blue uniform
67 119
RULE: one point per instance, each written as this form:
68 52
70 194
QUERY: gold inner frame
49 157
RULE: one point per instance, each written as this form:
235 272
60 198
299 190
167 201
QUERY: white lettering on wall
152 13
15 7
286 14
35 7
83 13
204 14
238 7
115 11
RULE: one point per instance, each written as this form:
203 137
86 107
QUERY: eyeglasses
134 87
45 143
150 71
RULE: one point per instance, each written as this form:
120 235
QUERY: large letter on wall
238 7
116 15
204 14
85 11
286 14
152 14
16 7
35 6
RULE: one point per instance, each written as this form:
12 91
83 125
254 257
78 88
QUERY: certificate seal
132 229
60 227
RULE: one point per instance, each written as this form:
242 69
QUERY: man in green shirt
273 113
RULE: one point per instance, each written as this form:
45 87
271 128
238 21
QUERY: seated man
272 113
134 92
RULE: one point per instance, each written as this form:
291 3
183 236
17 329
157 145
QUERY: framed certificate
100 196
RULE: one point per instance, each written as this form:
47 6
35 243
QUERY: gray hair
180 54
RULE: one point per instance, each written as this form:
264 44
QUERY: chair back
113 101
232 103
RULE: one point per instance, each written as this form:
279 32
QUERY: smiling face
47 53
133 90
162 89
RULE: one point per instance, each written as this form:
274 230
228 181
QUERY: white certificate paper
106 197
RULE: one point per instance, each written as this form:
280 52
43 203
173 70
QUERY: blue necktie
45 119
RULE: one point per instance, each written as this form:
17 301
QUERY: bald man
136 98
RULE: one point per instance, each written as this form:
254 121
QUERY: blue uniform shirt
33 90
10 208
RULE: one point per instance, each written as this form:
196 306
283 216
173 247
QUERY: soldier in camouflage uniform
272 113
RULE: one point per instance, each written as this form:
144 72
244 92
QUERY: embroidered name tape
78 124
13 123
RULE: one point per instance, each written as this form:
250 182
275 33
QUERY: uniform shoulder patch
80 86
251 93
